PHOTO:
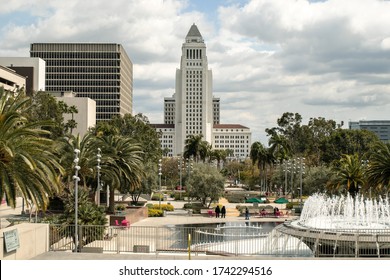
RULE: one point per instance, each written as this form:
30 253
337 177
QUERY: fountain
343 226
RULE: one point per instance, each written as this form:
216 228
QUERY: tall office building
380 127
193 110
100 71
194 99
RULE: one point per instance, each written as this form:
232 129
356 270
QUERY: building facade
33 69
380 127
193 110
10 80
86 111
102 72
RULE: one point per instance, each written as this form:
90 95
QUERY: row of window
83 69
231 136
83 89
78 76
91 63
193 132
194 72
73 83
232 146
194 63
228 130
231 141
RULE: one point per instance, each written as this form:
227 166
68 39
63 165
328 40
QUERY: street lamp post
159 177
76 202
180 176
285 177
98 177
365 164
301 171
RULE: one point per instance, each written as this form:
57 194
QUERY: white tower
194 98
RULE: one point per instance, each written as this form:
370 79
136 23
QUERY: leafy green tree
28 165
45 107
343 141
316 179
289 126
378 172
316 132
205 182
170 171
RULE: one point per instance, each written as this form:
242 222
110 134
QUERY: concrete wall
33 240
132 214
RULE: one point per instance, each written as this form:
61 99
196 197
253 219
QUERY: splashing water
344 212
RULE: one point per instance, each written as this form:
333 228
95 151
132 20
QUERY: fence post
118 243
189 246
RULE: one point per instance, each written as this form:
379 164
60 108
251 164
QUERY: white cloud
328 58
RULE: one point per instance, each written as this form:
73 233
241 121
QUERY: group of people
220 212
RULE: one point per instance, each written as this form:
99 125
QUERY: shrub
164 207
120 207
149 205
289 205
155 212
157 196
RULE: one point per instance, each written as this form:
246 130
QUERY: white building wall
38 64
86 116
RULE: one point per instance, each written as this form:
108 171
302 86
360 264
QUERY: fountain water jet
343 226
345 212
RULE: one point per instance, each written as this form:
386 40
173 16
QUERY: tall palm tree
262 157
349 174
279 147
28 166
378 172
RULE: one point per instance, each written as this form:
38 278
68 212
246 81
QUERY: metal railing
234 242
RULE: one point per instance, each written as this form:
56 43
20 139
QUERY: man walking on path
217 211
223 212
246 213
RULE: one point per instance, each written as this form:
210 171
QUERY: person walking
217 211
223 212
246 213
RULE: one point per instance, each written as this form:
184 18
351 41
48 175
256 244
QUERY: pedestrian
217 211
246 213
223 212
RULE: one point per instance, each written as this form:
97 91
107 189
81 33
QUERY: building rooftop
229 126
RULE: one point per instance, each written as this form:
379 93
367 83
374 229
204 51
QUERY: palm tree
121 165
205 150
28 166
279 147
66 146
378 172
349 174
193 146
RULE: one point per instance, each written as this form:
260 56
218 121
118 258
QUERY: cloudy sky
318 58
